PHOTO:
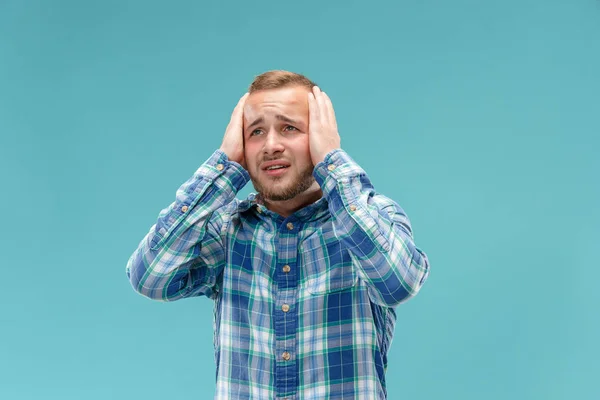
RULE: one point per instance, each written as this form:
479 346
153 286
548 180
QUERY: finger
239 108
313 111
323 116
330 110
237 116
242 100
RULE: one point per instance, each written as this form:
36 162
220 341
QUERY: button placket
285 316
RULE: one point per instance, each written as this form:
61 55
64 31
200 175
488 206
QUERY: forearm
376 231
181 254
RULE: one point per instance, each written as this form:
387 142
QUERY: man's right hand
233 140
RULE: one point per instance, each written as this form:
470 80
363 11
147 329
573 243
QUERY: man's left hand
323 134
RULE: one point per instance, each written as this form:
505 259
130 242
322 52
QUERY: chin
283 188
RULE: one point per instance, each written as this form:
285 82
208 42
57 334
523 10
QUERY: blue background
480 118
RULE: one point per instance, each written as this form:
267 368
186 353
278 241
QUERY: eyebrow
279 117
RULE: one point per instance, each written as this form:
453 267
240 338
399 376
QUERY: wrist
219 165
230 154
321 156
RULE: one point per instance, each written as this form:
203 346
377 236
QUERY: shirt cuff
337 166
219 165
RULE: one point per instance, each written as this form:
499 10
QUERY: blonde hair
277 79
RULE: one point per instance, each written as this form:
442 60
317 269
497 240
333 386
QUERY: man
306 274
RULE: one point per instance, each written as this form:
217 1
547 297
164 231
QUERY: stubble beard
274 192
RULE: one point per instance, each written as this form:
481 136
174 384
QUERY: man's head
276 146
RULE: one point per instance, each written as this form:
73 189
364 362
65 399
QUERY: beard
275 191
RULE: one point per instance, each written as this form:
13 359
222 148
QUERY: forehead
288 100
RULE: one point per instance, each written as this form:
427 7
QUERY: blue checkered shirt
304 306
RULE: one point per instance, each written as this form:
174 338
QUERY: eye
255 132
290 128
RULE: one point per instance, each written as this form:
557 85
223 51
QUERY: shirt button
184 209
285 308
352 207
220 167
286 268
290 226
286 356
331 167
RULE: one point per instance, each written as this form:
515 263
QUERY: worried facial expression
276 147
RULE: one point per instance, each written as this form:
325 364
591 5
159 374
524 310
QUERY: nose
273 143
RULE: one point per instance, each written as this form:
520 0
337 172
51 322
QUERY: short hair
278 79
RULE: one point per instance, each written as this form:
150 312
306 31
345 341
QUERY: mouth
276 172
275 168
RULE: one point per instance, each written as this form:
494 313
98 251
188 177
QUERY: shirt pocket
326 265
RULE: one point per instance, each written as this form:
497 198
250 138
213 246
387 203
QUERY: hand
233 140
323 135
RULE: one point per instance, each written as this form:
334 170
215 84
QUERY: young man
306 274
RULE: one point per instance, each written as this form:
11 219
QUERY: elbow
135 272
151 285
397 294
420 270
399 288
413 282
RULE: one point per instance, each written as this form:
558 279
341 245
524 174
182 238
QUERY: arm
183 253
374 228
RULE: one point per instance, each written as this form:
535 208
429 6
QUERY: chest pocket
326 265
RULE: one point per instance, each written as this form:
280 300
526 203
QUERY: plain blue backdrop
481 118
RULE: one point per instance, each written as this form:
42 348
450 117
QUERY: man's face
276 146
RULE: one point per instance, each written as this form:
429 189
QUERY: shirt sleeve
374 228
183 253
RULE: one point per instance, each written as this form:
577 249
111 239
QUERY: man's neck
285 208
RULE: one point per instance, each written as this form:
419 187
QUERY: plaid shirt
304 305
